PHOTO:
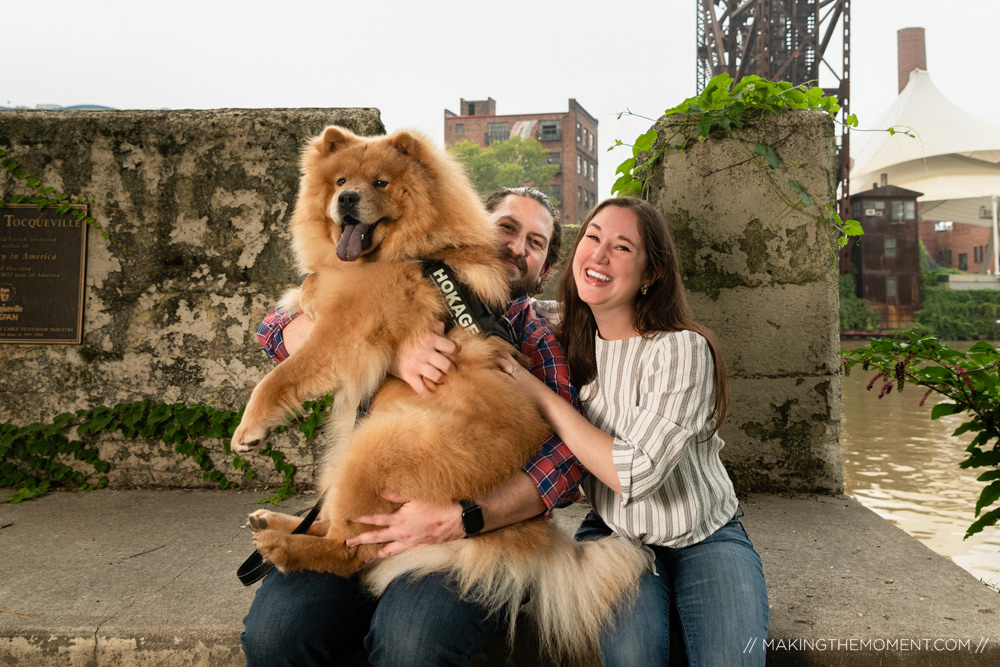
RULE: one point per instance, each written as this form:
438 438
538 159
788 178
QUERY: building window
554 158
577 133
891 290
472 108
554 192
591 172
578 163
497 132
549 131
963 261
890 247
579 195
910 210
591 141
897 211
459 128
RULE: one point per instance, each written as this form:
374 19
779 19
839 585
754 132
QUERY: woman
654 391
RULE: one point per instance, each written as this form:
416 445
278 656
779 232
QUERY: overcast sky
414 58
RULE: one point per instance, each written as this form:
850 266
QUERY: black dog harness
464 310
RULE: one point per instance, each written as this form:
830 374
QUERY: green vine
31 456
716 111
46 196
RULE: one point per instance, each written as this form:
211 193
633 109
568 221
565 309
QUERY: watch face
472 518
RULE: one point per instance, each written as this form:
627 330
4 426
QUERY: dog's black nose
348 199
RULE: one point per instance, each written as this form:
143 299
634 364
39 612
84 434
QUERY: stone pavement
147 577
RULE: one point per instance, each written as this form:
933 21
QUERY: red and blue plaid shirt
553 468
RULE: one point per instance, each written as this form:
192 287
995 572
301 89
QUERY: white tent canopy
954 159
941 128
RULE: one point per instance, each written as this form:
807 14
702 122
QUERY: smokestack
912 53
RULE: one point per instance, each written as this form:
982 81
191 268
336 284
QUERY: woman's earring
643 290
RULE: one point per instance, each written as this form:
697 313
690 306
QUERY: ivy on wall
722 107
33 457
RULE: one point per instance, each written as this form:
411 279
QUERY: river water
904 466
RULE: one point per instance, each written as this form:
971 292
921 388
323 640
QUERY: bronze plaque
42 267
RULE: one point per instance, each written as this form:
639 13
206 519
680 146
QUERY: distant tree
510 163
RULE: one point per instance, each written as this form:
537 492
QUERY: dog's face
371 197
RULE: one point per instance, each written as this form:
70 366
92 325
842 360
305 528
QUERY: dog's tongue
353 240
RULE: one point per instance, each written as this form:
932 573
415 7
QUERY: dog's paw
247 437
258 520
273 547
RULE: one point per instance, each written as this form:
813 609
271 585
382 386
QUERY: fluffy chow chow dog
369 210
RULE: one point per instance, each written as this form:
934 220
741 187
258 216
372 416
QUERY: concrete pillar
764 279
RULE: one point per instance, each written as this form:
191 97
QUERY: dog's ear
336 138
406 143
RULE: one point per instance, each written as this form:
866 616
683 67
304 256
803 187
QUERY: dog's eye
380 183
341 181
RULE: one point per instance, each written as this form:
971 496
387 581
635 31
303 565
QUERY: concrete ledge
148 578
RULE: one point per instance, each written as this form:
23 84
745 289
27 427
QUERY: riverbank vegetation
970 383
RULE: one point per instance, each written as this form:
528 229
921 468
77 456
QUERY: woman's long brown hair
663 308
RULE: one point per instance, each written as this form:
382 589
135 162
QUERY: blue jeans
712 593
312 618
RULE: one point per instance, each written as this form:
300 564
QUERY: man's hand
425 359
416 523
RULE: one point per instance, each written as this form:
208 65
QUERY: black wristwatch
472 517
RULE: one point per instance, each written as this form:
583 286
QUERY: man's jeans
712 593
312 618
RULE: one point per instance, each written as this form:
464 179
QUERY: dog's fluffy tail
570 589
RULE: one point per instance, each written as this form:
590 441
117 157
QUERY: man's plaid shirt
553 468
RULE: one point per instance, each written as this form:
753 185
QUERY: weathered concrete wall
200 203
763 278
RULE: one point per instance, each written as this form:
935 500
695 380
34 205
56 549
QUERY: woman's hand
425 358
523 378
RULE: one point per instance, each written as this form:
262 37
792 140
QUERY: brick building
958 246
569 136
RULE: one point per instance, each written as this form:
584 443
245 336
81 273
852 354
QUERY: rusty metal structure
779 40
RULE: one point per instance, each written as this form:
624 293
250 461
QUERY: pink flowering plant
969 381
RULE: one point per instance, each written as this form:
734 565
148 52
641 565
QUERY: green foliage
45 196
971 383
31 457
856 314
510 163
716 111
955 315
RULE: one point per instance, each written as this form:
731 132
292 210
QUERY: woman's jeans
712 593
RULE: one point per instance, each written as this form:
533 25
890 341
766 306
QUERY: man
311 618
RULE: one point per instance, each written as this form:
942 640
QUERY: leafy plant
510 163
970 383
31 457
954 315
45 196
856 314
716 111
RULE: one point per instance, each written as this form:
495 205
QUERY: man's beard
525 285
521 288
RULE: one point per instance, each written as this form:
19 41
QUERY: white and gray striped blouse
655 396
